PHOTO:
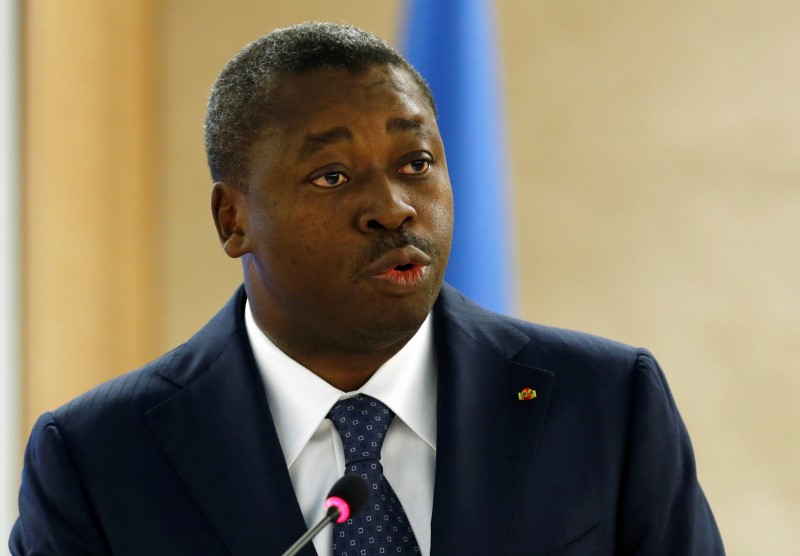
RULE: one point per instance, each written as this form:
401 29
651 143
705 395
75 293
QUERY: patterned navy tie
382 528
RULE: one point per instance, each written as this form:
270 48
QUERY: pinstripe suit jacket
181 457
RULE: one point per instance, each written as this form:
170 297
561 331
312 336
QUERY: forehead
322 98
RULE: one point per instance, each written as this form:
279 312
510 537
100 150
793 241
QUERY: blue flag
452 44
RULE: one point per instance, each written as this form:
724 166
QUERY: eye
331 179
415 167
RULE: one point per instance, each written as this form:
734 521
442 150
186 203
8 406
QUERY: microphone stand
331 515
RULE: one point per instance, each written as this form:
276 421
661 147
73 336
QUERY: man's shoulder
137 391
525 341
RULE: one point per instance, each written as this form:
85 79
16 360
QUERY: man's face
348 211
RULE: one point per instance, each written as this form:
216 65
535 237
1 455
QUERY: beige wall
90 228
657 188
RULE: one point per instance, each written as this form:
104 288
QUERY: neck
346 371
345 367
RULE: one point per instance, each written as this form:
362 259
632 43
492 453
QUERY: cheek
439 213
312 245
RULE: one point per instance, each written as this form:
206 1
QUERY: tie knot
362 423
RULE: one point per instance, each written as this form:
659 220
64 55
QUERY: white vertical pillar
10 265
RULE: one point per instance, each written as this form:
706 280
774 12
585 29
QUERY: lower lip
403 279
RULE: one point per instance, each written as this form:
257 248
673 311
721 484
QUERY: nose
385 206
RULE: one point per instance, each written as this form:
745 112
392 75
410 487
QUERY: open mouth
402 269
404 275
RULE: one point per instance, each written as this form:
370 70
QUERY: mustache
397 239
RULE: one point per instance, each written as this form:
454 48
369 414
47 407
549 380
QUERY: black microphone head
353 490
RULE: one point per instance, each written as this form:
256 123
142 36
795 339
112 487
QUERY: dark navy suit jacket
181 457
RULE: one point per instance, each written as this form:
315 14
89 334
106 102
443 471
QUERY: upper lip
398 257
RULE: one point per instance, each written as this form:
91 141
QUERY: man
331 186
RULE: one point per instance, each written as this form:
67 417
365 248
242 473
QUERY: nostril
375 225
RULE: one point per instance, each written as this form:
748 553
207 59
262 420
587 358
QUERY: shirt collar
299 400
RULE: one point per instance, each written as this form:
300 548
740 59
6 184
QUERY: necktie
382 528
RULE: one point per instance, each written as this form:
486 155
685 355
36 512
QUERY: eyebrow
314 142
402 125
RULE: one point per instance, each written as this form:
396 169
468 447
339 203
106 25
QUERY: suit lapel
486 436
221 440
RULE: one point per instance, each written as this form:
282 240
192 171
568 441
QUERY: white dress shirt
299 401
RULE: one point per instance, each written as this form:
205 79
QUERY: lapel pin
526 394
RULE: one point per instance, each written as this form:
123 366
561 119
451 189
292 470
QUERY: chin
391 323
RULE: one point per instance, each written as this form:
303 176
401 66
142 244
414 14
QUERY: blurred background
654 185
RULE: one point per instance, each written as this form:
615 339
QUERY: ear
230 218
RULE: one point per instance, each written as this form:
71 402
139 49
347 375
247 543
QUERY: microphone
347 497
